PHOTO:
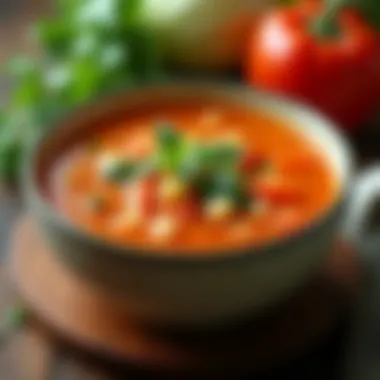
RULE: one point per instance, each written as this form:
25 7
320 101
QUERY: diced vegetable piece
141 201
219 208
149 200
119 169
171 188
163 227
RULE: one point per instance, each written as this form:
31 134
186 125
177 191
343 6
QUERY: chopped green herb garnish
220 156
223 184
124 170
209 170
120 170
170 147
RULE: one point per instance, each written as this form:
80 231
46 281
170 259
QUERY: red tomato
340 75
149 195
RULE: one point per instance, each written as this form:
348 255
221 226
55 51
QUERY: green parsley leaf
170 148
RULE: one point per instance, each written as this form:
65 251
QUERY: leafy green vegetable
211 169
91 48
189 158
221 156
170 148
222 184
207 158
231 185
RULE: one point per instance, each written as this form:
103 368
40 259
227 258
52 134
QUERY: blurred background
15 19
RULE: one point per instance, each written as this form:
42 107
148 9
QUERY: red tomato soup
193 177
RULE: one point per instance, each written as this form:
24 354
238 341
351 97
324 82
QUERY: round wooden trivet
77 313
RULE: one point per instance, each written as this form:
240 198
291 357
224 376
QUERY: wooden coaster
75 312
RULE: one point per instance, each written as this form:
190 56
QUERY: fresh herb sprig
90 48
211 170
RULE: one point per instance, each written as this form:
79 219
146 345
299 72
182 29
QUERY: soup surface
199 177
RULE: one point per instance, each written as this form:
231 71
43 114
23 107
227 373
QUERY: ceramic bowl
190 291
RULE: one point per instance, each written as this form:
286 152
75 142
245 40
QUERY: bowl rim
32 187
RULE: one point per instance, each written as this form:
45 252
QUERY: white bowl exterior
200 295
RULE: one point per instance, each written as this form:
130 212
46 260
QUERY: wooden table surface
32 354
